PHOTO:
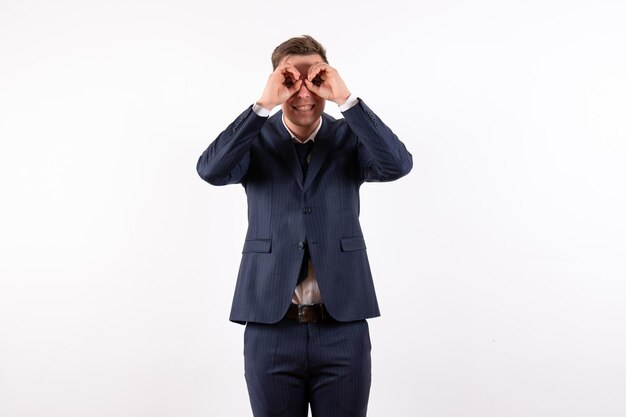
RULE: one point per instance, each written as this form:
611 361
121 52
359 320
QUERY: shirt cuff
351 102
260 111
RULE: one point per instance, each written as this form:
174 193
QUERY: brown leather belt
308 313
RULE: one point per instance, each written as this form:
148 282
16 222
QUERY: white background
499 261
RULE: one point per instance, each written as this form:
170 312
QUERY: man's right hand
283 83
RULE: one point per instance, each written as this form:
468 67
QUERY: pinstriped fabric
285 209
289 365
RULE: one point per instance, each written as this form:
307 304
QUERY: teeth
305 108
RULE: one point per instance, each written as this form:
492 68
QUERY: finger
315 70
293 71
319 79
288 82
286 76
284 67
313 88
290 77
295 88
310 86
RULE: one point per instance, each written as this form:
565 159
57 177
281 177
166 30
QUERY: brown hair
300 45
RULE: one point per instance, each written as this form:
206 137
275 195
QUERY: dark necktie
303 150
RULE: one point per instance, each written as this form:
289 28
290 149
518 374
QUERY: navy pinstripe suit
286 210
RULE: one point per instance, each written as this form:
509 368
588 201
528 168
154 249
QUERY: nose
303 92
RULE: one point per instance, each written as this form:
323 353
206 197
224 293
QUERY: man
304 286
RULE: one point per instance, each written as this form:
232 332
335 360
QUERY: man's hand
282 84
324 81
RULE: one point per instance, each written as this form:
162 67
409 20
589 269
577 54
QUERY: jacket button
300 245
307 210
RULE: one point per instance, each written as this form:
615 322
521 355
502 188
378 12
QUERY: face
303 109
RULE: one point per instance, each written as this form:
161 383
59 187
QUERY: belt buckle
302 307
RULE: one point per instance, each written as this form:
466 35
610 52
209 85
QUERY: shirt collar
310 138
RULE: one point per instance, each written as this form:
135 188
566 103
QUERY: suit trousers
289 365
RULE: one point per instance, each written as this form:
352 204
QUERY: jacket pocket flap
353 243
257 245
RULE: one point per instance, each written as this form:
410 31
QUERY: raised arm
226 160
382 156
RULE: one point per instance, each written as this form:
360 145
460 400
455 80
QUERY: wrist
343 99
349 103
260 111
265 105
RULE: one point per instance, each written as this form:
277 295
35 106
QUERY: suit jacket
287 212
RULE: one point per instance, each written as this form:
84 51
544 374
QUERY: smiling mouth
305 108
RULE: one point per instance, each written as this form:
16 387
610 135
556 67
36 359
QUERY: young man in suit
305 288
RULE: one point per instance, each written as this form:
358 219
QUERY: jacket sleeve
227 158
382 156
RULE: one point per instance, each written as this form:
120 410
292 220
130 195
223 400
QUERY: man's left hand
324 81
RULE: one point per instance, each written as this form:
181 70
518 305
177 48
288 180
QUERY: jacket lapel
284 146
